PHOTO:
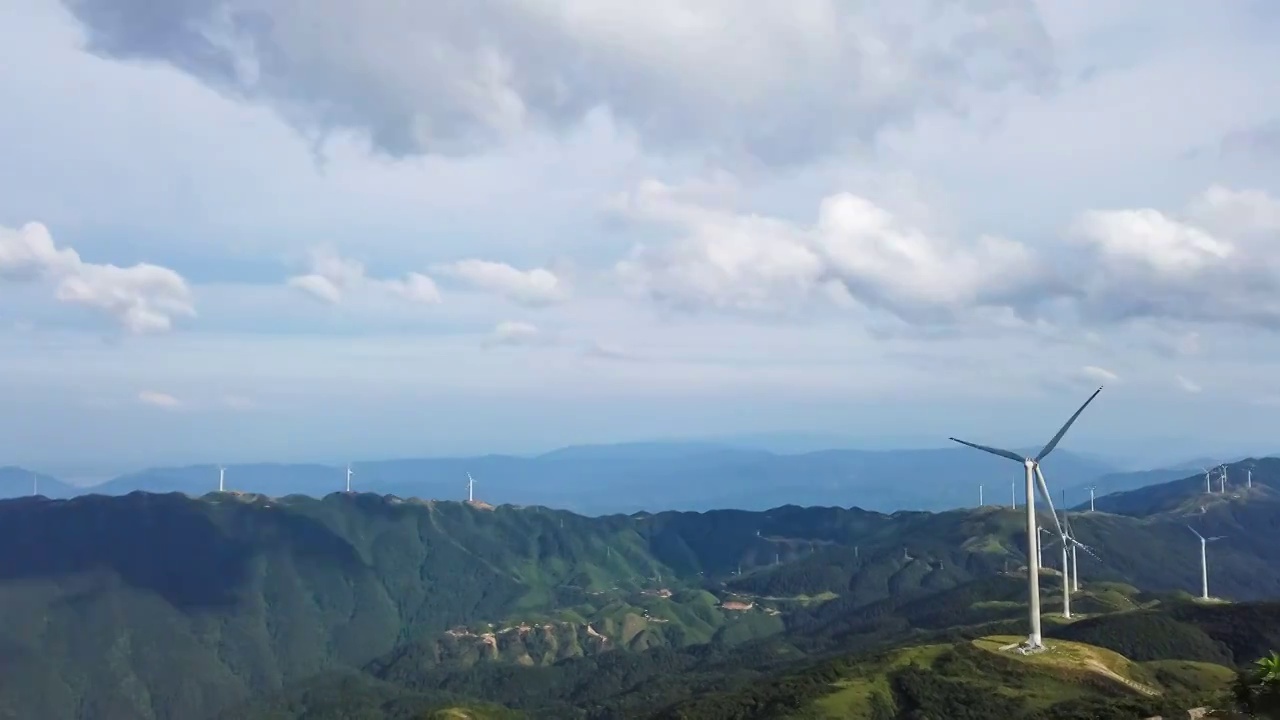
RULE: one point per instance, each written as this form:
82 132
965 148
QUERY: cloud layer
781 81
805 215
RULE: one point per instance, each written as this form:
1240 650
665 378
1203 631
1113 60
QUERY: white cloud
1096 374
536 287
142 298
158 399
1187 384
776 79
1220 262
856 251
1115 266
332 277
517 333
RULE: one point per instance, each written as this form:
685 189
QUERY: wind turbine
1092 488
1013 494
222 477
980 503
1204 561
1248 479
471 490
1222 479
349 474
35 485
1034 480
1208 489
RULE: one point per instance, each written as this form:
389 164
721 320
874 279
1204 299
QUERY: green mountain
157 606
1187 496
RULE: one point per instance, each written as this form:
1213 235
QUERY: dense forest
243 603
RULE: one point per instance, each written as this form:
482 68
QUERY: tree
1258 689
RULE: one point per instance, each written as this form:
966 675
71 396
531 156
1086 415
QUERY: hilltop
1186 495
253 594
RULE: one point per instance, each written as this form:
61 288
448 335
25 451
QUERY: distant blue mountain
652 476
18 482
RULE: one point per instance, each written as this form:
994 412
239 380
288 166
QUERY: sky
242 230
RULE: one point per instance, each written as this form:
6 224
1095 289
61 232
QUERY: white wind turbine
1204 561
471 491
1222 479
349 474
1092 489
35 485
1034 481
1248 479
980 502
222 479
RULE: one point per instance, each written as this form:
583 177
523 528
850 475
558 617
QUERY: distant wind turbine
1092 488
349 474
1034 482
1208 489
471 492
35 485
1248 479
1204 561
222 477
980 502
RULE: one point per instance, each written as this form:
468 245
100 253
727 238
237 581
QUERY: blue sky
232 231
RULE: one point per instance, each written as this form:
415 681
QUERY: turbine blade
1085 548
994 451
1218 537
1058 438
1196 533
1044 493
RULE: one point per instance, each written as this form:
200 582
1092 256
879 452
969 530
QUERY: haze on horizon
235 233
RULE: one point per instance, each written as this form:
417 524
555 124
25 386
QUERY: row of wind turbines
1062 534
1222 480
222 482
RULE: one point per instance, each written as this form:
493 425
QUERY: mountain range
245 605
632 477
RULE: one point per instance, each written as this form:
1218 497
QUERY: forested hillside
156 606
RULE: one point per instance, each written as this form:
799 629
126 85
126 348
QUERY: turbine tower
1092 489
35 485
980 503
1208 489
1034 481
1204 561
349 474
471 492
1248 479
1013 494
222 478
1222 479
